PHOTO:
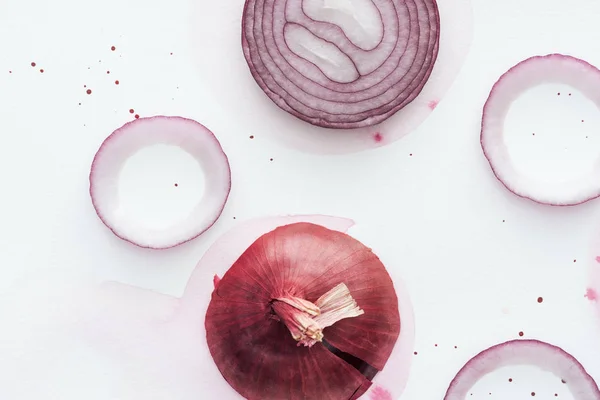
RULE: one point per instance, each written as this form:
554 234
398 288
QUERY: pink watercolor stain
598 259
378 137
380 393
433 104
591 294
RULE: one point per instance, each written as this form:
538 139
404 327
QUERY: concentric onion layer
525 352
255 352
534 71
349 83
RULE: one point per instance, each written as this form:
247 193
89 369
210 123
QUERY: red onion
516 352
188 135
303 284
318 62
216 34
552 68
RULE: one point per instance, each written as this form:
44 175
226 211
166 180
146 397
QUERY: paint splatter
380 393
378 137
137 116
89 91
433 104
131 111
598 259
113 48
33 64
116 82
540 299
591 294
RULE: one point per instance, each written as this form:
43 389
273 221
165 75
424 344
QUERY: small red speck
436 345
271 159
533 134
116 82
510 379
415 353
113 48
33 64
107 72
598 259
233 217
555 394
176 185
456 347
378 137
503 220
591 294
131 111
251 136
410 155
558 93
569 94
433 104
89 91
582 121
42 71
532 394
171 53
521 333
137 116
10 72
574 261
84 86
540 299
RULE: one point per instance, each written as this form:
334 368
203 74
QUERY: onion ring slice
186 134
534 71
517 352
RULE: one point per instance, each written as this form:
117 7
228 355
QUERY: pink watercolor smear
433 104
591 294
380 393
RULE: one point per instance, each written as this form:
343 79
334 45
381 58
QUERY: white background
474 257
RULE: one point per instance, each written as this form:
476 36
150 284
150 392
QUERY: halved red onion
195 142
216 34
534 71
518 352
340 64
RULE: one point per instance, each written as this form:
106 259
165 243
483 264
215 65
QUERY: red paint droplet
176 185
137 116
521 333
171 53
532 394
89 91
10 72
436 345
131 111
410 155
113 48
415 353
456 347
251 136
108 72
582 121
380 393
575 260
116 82
533 134
378 137
555 394
42 71
569 94
558 93
271 159
591 294
540 299
510 379
33 64
563 381
433 104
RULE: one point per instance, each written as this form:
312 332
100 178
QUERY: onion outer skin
185 133
518 352
534 71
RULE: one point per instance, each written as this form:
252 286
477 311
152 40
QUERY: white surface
437 214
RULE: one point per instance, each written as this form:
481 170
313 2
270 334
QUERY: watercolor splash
380 393
591 294
598 259
433 104
378 137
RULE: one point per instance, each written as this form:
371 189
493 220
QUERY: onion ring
186 134
532 72
534 352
